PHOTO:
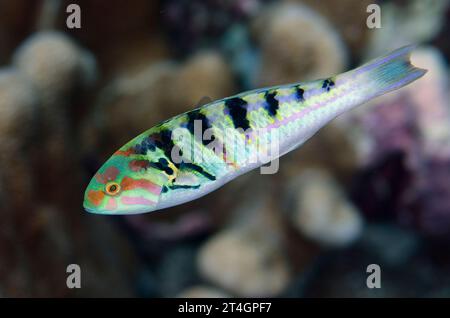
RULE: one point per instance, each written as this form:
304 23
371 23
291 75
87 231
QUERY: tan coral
297 44
57 68
55 65
245 263
248 258
17 106
140 97
320 211
347 17
17 109
157 92
204 75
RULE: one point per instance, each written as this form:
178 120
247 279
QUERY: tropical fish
178 160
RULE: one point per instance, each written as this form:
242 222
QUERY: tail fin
388 73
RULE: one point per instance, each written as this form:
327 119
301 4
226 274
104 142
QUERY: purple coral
407 169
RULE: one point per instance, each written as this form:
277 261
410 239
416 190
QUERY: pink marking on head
130 184
112 204
136 201
125 153
110 174
138 165
149 186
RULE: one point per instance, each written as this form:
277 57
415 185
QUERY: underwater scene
345 101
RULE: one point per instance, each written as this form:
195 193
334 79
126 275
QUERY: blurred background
372 187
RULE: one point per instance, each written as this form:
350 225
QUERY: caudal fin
388 72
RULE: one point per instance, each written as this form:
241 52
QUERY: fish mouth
98 211
90 210
88 207
137 210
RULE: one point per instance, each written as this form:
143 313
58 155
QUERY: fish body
196 152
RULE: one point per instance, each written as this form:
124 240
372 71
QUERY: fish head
127 183
144 176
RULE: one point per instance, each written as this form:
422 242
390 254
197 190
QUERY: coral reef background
372 187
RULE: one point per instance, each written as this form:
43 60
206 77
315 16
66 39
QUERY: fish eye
112 188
